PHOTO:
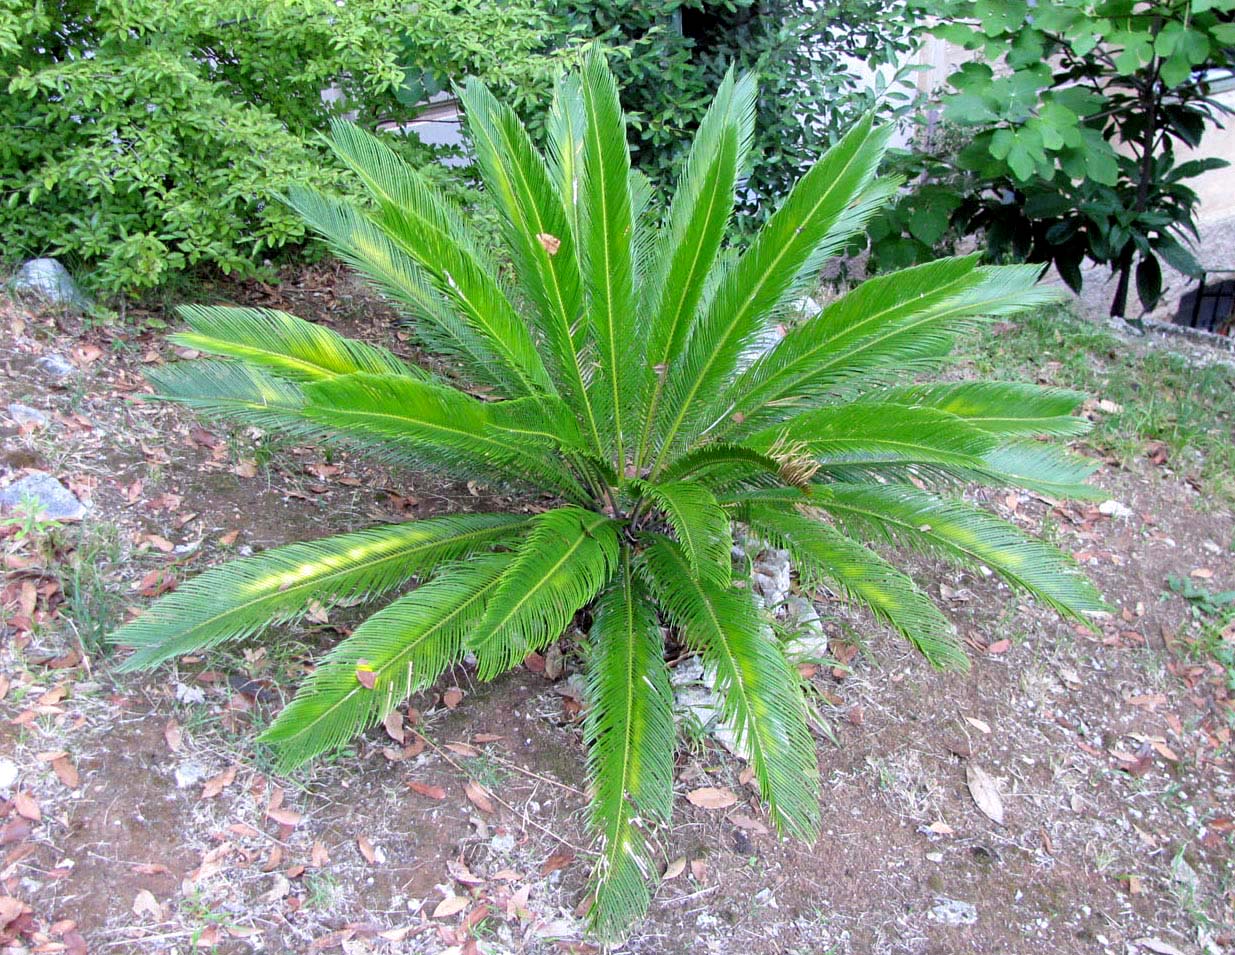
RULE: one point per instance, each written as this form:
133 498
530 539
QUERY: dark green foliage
144 138
625 377
1059 141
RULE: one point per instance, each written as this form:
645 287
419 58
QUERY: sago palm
624 367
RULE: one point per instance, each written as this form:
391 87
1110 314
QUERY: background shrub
147 136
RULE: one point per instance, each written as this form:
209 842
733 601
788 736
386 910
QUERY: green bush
143 137
624 380
671 56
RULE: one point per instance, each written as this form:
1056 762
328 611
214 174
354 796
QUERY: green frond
565 131
868 437
818 204
875 332
722 465
533 213
904 515
760 695
998 407
455 274
405 645
700 526
567 556
630 737
690 242
283 344
437 324
606 221
822 553
1043 468
244 597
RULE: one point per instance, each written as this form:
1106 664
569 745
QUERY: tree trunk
1120 303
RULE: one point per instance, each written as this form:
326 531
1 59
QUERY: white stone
953 912
57 501
189 773
1113 508
57 366
8 773
49 280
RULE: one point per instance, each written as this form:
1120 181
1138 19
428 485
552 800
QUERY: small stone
934 857
765 898
25 415
1114 509
504 843
189 773
953 912
1183 873
58 503
49 280
57 366
190 694
8 773
809 642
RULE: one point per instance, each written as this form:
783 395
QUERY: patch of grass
89 574
1162 397
1213 617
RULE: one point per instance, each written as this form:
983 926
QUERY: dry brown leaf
985 792
711 797
462 749
393 724
285 817
216 784
550 243
487 738
461 873
173 736
559 860
428 790
452 697
318 856
449 906
66 771
748 823
366 850
999 646
699 870
229 538
479 797
674 869
27 807
10 908
146 904
365 675
980 725
151 868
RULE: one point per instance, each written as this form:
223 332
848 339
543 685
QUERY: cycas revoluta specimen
629 377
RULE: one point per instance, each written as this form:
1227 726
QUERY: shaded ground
142 820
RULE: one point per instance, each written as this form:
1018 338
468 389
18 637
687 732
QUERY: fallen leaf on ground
146 904
452 697
285 817
699 870
216 784
27 807
393 725
748 823
318 856
428 790
366 849
980 725
674 869
449 906
559 860
711 797
66 771
172 735
478 797
984 792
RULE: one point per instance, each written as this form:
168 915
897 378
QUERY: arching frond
1043 468
245 596
283 344
721 465
759 691
456 275
565 129
965 534
688 247
818 204
567 556
608 267
699 524
541 236
822 553
630 736
998 407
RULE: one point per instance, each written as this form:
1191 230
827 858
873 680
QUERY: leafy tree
143 137
632 389
814 61
1070 116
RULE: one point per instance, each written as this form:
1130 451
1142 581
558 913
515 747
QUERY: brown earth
1110 751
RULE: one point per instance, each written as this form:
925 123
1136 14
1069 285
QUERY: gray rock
57 366
8 773
57 501
50 281
770 576
1114 508
25 415
695 698
190 772
953 912
808 642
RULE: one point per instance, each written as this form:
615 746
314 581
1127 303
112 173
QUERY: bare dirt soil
137 816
